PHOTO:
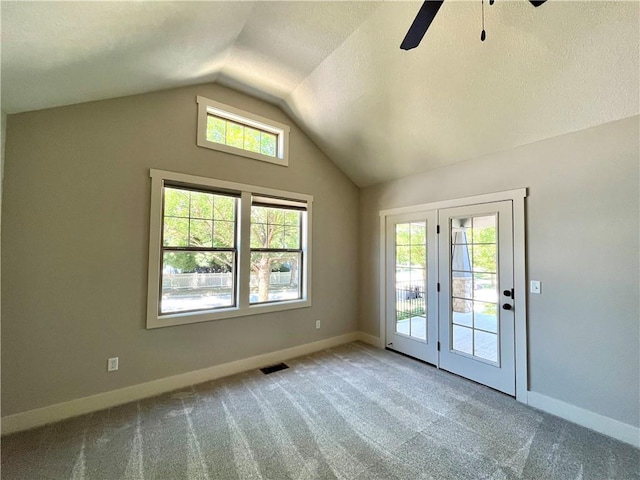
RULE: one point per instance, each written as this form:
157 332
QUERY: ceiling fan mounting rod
483 35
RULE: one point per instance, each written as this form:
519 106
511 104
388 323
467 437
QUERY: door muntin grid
411 279
475 321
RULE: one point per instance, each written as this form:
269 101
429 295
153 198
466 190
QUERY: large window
220 249
228 129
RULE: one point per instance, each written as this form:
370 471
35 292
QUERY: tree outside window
276 253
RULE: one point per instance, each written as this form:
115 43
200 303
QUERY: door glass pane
474 286
484 229
464 319
485 316
485 345
462 339
411 280
484 258
485 287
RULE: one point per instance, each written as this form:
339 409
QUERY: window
221 249
276 249
198 250
228 129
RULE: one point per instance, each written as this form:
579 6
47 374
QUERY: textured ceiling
336 68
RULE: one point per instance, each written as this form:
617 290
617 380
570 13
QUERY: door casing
517 197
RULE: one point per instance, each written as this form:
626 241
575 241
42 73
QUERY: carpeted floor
352 412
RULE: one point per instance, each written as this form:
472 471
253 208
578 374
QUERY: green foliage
216 129
236 135
489 309
274 228
182 262
176 202
198 219
414 312
207 220
202 262
175 232
484 249
252 139
484 235
268 144
411 244
201 205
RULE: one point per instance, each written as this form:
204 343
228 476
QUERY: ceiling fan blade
537 3
420 24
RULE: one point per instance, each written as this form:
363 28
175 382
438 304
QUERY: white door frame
517 196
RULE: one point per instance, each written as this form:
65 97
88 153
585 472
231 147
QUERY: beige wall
75 239
582 243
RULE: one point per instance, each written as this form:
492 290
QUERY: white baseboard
370 339
60 411
586 418
53 413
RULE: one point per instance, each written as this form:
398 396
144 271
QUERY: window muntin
228 129
198 250
276 251
190 236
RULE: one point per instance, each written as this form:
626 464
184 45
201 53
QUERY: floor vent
274 368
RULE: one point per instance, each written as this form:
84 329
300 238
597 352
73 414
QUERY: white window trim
208 106
154 320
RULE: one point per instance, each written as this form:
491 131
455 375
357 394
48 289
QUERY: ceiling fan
425 16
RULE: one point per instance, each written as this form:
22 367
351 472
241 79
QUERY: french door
476 308
412 302
449 295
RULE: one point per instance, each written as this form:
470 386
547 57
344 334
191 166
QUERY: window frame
189 248
243 307
274 203
206 107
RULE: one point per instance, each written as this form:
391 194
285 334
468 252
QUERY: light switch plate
535 287
112 364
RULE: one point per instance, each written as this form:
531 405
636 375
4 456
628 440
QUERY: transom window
221 249
228 129
226 132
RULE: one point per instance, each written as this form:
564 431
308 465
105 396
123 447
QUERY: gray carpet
352 412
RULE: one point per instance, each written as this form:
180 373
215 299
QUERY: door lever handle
507 306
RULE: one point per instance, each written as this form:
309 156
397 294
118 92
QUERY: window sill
203 142
174 319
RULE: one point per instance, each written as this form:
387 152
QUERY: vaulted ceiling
336 68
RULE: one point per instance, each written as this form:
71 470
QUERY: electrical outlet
317 324
112 364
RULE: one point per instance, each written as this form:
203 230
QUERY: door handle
507 306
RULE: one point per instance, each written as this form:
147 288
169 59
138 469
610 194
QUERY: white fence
177 281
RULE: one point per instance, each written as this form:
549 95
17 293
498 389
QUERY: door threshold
412 358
